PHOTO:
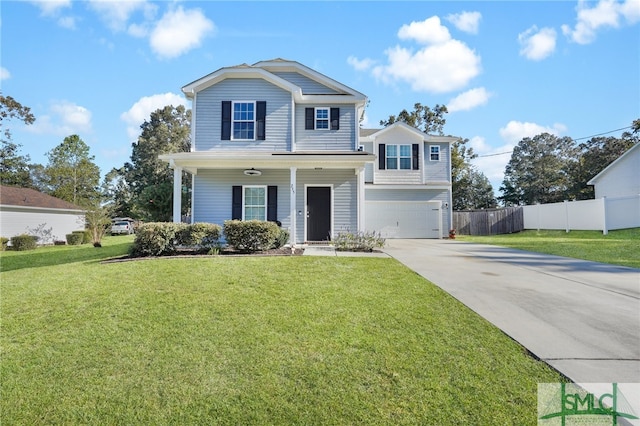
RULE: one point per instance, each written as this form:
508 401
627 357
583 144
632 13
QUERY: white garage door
404 219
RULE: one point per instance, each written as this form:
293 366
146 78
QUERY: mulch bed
284 251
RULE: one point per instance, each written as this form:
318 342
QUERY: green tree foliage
117 195
470 188
430 121
14 168
71 174
151 180
539 170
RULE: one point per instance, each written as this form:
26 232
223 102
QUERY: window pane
392 150
322 114
322 124
405 150
243 130
392 163
405 163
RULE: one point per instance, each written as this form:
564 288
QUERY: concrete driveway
582 318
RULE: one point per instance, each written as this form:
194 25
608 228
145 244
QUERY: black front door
318 213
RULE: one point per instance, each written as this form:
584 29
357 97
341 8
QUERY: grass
621 247
252 340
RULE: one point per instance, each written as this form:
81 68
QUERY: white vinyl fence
602 214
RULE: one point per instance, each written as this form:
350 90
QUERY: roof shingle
26 197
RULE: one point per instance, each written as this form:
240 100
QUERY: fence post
605 230
566 216
538 214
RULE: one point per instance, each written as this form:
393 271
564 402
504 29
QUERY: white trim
305 212
434 146
293 210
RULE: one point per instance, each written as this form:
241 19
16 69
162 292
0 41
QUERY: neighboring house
25 211
620 178
279 141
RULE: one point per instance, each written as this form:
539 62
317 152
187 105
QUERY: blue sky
506 70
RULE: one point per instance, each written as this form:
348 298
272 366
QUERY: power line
578 139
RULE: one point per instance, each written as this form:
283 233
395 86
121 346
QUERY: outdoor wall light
252 172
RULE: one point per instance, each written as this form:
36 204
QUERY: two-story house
279 141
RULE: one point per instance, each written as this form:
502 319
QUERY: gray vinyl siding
436 171
368 168
308 86
208 105
213 192
345 198
326 140
393 195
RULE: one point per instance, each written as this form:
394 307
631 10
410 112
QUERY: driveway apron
582 318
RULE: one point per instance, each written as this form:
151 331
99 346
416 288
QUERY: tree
430 121
539 170
117 195
98 222
595 155
469 185
151 180
71 174
14 168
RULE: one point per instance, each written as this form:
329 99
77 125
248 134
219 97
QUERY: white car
121 227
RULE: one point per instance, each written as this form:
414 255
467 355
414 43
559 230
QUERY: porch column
361 201
177 194
293 212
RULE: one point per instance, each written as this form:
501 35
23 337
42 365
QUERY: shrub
156 239
360 241
59 243
24 242
282 239
5 242
251 235
199 235
75 238
86 236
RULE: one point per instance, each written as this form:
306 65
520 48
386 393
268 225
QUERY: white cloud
68 22
537 44
179 31
142 109
360 64
515 131
64 118
469 22
116 13
4 74
491 161
469 100
51 7
606 13
443 65
429 31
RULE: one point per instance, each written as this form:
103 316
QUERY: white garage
404 219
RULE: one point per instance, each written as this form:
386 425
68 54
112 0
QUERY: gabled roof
27 197
607 169
371 134
266 70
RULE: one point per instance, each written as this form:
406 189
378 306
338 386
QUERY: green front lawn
250 340
620 247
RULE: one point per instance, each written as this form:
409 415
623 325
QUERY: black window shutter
261 114
308 119
335 118
416 156
272 203
382 156
236 203
226 121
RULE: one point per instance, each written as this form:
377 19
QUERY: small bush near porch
248 340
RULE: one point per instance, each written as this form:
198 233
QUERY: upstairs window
398 157
434 153
322 118
244 120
